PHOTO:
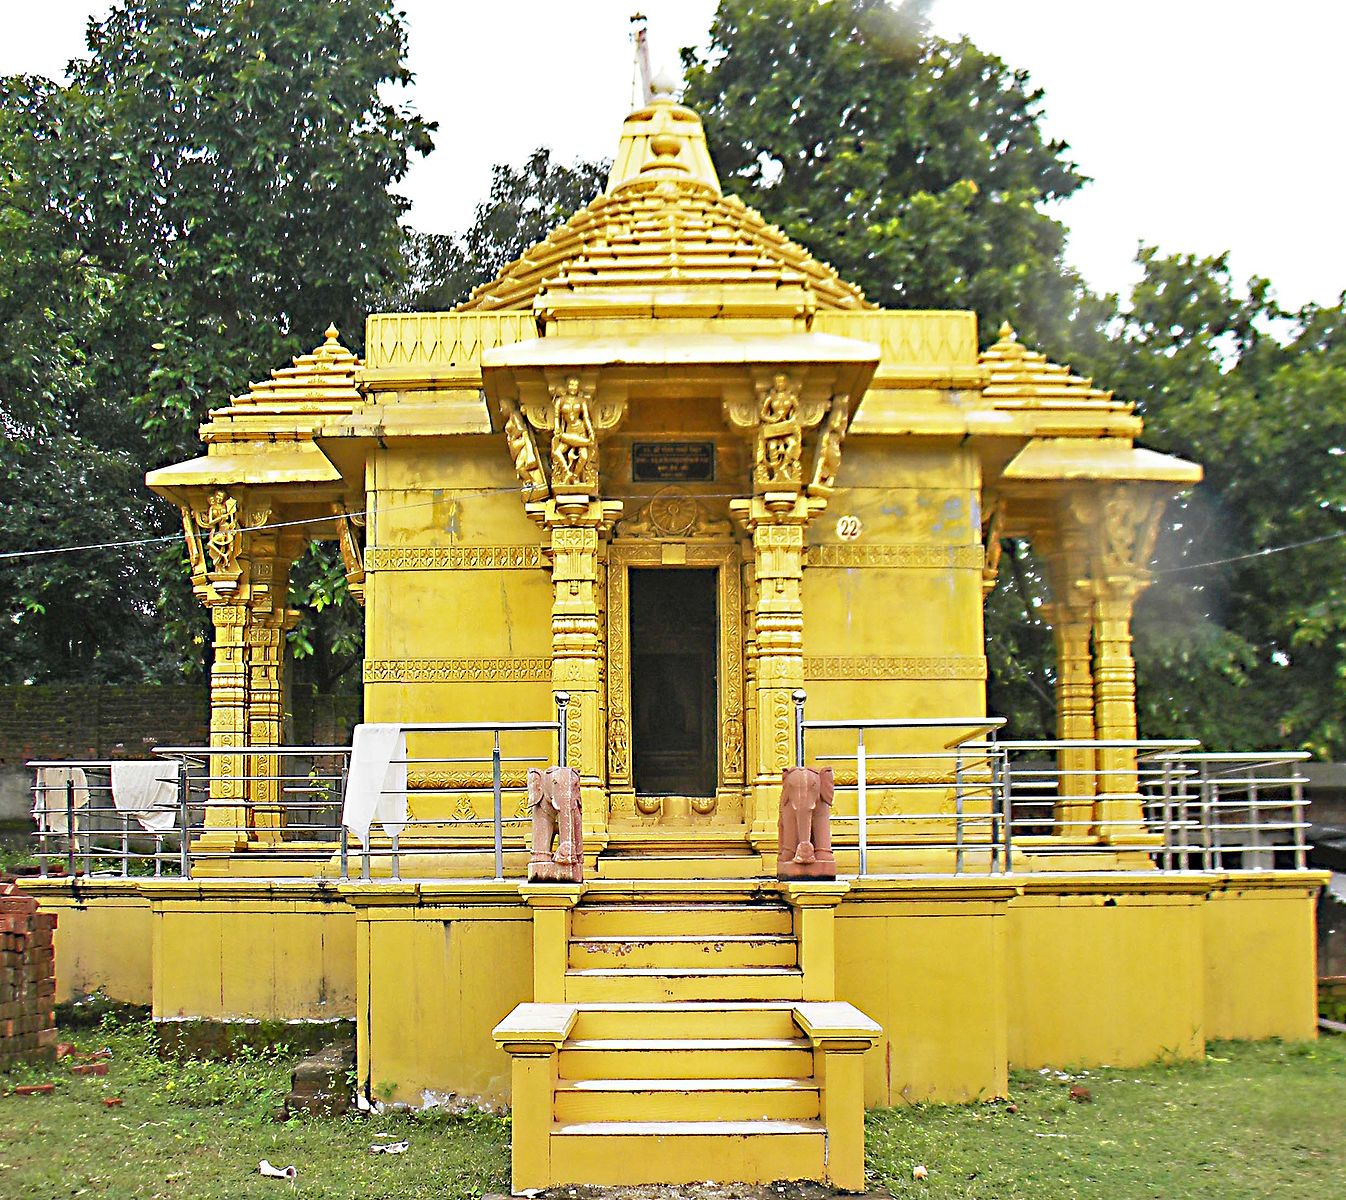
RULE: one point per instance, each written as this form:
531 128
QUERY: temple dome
662 221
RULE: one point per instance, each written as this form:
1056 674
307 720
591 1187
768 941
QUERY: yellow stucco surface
448 973
1260 959
103 939
928 966
1106 972
270 952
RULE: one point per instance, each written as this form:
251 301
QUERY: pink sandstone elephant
554 801
805 827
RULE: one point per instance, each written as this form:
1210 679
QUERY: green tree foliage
207 190
525 204
1249 652
913 164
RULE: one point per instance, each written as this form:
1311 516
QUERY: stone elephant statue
805 827
554 804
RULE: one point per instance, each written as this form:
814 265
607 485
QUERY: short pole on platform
800 697
184 819
70 824
562 703
499 812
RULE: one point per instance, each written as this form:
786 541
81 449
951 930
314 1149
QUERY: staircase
683 1051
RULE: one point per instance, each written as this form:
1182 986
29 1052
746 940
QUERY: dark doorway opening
673 655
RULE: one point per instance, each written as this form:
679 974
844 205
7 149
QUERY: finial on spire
332 335
1007 333
642 72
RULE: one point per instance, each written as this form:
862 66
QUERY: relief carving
780 437
673 513
523 452
827 461
574 447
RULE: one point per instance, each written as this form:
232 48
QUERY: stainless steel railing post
862 800
800 698
562 707
495 794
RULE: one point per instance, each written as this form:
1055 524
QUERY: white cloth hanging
50 802
376 784
148 791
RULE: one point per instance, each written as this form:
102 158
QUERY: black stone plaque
673 462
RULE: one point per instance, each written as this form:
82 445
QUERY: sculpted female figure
572 444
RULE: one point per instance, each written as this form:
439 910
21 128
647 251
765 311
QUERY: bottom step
628 1153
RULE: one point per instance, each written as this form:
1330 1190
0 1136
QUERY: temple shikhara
678 820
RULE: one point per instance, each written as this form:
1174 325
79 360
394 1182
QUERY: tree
524 205
915 165
216 176
1250 651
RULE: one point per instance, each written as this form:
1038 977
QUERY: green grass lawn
1254 1120
1262 1120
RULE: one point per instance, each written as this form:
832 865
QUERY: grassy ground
1251 1121
196 1131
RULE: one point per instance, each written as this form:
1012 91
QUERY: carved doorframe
726 557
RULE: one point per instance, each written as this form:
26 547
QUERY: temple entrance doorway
674 623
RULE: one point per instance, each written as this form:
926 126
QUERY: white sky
1205 124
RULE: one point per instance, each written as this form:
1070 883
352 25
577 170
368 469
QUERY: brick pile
27 980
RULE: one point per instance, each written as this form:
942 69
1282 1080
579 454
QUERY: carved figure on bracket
780 440
574 449
828 460
805 827
196 555
523 452
992 532
222 534
554 804
351 540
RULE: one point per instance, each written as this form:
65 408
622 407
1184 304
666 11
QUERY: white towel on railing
50 800
376 784
148 790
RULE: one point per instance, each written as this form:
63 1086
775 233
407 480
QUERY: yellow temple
673 468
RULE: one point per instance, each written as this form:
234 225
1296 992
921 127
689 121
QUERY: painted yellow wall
102 939
929 968
435 979
1260 978
284 951
1106 971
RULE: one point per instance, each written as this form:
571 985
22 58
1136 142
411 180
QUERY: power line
1219 562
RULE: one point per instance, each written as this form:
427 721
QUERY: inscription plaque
673 462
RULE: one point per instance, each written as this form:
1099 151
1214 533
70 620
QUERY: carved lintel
673 513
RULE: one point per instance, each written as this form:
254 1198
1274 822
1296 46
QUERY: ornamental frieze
961 558
457 670
438 558
971 666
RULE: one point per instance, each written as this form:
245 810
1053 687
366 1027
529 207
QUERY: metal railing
946 784
1246 809
287 802
80 828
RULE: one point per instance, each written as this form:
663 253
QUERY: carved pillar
226 818
1065 554
269 573
748 620
777 529
1124 522
576 529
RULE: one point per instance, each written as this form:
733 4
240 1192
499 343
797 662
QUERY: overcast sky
1205 125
